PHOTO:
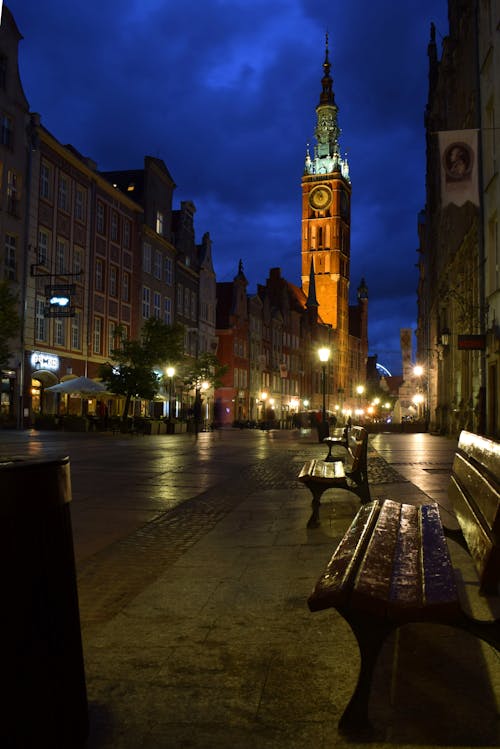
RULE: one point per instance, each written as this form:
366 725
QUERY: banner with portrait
459 168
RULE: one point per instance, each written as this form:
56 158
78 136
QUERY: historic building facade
15 155
458 335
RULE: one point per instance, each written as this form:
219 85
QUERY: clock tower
326 197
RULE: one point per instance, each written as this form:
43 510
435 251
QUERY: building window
63 194
43 248
13 189
61 257
126 287
100 218
157 305
126 233
6 131
80 204
75 332
187 305
40 321
167 311
146 303
77 261
111 337
146 257
193 305
45 182
99 276
114 227
10 257
97 335
59 332
157 265
159 223
180 297
167 271
113 284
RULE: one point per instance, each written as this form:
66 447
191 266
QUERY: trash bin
44 695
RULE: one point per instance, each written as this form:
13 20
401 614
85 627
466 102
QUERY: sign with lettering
41 360
472 342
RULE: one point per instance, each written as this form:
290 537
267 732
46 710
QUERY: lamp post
324 355
170 375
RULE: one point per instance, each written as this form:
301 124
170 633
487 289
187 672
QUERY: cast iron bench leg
317 491
370 637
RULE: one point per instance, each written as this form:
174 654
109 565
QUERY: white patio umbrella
83 386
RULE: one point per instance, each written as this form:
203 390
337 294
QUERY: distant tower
326 197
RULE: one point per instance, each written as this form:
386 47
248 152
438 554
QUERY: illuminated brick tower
326 196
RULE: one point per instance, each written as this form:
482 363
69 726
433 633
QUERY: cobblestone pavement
195 627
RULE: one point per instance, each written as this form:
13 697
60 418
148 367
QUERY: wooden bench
338 436
474 491
320 475
393 566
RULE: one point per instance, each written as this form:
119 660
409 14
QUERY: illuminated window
159 223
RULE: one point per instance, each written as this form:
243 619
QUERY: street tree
10 323
131 373
205 368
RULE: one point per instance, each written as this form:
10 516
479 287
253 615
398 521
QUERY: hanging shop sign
472 342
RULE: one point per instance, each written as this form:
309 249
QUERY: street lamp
324 355
170 375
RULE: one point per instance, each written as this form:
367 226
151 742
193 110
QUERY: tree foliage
10 323
131 372
205 368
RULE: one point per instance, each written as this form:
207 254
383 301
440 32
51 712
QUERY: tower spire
327 158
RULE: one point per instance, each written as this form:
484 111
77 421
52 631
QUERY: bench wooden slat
440 588
484 551
483 451
478 489
407 588
372 590
474 490
333 587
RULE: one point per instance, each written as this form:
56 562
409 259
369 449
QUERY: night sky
224 91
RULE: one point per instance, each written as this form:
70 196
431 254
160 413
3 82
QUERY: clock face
320 197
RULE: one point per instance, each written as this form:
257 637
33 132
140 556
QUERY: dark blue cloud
225 92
